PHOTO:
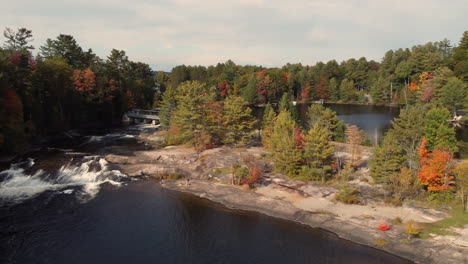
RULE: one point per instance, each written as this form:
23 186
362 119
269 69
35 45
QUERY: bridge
135 116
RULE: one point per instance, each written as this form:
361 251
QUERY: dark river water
66 204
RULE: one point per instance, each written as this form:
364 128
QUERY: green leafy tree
438 131
237 120
53 81
318 152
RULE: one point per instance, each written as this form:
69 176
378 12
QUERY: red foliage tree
298 138
12 105
263 85
322 87
223 88
305 93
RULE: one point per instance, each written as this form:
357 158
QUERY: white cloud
165 33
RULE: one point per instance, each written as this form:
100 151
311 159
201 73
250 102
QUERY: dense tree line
64 87
431 73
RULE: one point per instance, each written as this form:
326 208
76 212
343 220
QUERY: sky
166 33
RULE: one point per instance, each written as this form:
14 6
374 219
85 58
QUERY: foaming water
21 182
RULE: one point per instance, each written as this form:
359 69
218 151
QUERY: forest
62 86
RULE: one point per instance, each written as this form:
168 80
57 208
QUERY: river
68 205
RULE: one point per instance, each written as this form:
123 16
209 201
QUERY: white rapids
89 174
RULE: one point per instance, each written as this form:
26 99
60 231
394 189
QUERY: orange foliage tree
436 168
84 80
414 86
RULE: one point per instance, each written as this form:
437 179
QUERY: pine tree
318 152
438 130
348 92
237 120
407 132
454 94
334 89
190 121
387 159
379 89
168 106
287 156
285 104
268 121
325 117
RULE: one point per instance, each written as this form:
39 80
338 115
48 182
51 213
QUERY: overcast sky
165 33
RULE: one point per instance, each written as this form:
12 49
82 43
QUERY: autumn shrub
239 172
381 242
413 229
254 170
383 227
348 195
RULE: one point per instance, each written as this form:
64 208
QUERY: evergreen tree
459 59
326 118
237 120
387 159
249 93
285 104
287 156
190 121
407 133
167 106
334 89
19 40
65 46
379 90
318 152
454 94
348 93
438 131
268 121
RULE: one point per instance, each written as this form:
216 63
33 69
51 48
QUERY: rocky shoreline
206 175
